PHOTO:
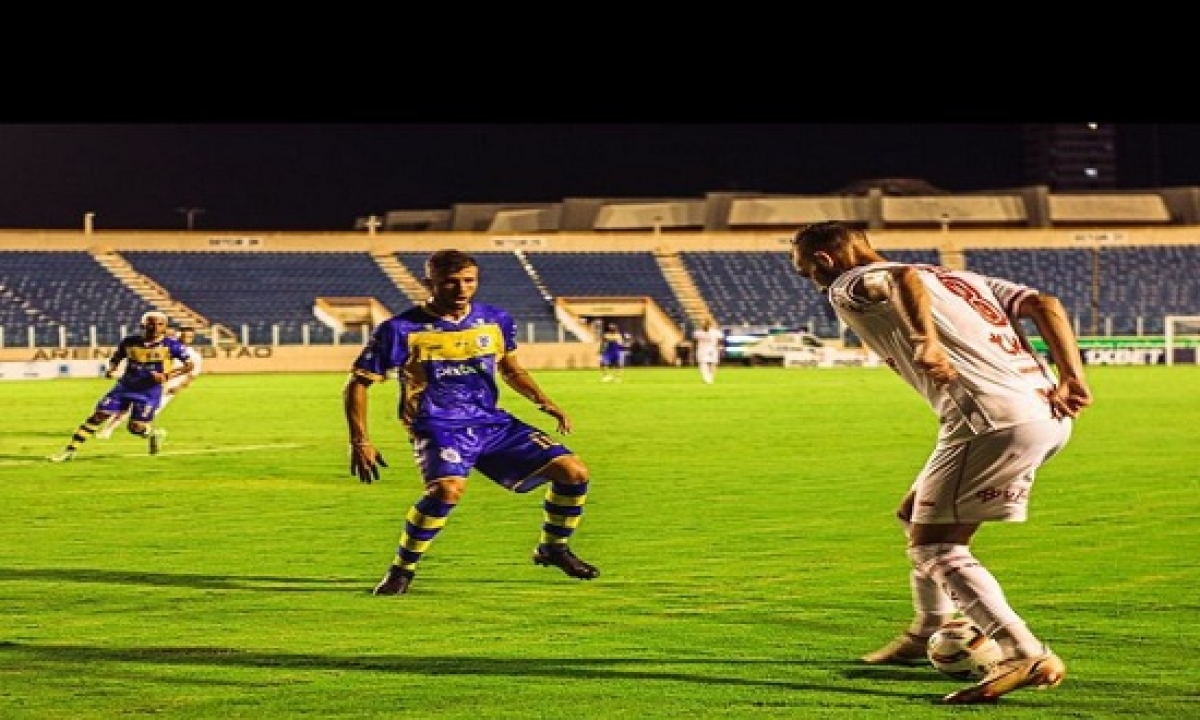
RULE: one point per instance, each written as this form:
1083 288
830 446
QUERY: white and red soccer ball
962 651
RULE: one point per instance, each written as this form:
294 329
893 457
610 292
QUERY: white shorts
708 357
989 477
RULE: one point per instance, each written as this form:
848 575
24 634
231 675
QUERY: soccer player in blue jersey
448 353
151 359
170 389
613 349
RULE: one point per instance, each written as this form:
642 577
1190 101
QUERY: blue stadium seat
506 282
49 290
762 289
261 293
607 274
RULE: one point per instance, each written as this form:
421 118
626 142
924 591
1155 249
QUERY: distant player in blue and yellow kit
448 353
613 348
151 359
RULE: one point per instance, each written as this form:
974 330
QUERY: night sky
144 176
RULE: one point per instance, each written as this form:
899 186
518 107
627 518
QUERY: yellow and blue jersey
612 345
142 359
447 369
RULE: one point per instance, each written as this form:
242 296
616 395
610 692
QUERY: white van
772 348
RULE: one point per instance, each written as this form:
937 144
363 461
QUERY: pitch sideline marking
204 451
228 449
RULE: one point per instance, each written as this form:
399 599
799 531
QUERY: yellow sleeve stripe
358 372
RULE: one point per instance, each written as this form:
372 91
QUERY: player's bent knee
568 470
448 490
934 557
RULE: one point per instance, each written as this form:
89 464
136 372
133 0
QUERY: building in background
1071 157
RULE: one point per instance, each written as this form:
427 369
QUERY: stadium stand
1065 272
267 295
52 294
1138 286
760 290
506 281
1107 290
607 274
1121 261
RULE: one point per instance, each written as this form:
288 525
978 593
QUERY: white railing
277 334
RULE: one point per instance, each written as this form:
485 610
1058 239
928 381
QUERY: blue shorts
143 404
509 453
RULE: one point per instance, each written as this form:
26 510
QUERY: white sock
931 607
106 428
977 594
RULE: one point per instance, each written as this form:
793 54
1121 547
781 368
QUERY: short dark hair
445 262
825 235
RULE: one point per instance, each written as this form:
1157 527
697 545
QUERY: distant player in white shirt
956 338
708 341
175 385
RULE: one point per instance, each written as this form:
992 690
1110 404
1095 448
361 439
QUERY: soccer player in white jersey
178 383
708 340
957 338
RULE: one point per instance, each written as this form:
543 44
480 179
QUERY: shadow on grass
572 669
273 583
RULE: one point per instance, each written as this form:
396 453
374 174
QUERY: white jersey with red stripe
1001 380
197 361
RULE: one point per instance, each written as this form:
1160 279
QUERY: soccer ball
961 650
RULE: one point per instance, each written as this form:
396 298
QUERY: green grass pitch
744 531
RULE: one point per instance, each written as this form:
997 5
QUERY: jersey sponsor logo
455 371
988 495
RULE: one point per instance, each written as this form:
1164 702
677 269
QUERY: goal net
1181 339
